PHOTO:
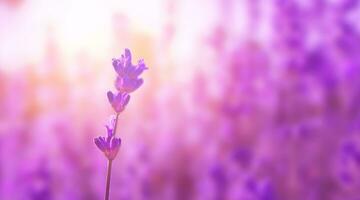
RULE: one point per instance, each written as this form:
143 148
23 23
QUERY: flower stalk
127 81
108 179
108 175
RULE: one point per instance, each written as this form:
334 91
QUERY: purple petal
109 131
100 144
118 97
141 65
138 83
115 63
126 99
118 102
115 146
115 143
131 71
128 57
119 83
119 65
110 96
136 71
103 141
107 142
129 85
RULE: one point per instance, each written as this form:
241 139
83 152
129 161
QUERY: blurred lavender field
244 100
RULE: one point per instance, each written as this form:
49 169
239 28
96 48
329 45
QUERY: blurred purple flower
242 156
118 101
38 182
128 80
266 191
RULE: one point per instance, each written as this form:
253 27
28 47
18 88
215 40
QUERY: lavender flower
128 74
126 82
109 145
118 101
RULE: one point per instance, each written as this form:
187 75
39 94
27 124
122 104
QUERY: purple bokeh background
243 100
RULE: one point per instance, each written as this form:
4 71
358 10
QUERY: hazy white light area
73 26
169 34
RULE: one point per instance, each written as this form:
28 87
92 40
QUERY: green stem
108 176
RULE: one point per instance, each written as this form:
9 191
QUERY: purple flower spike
128 74
127 84
109 146
119 101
